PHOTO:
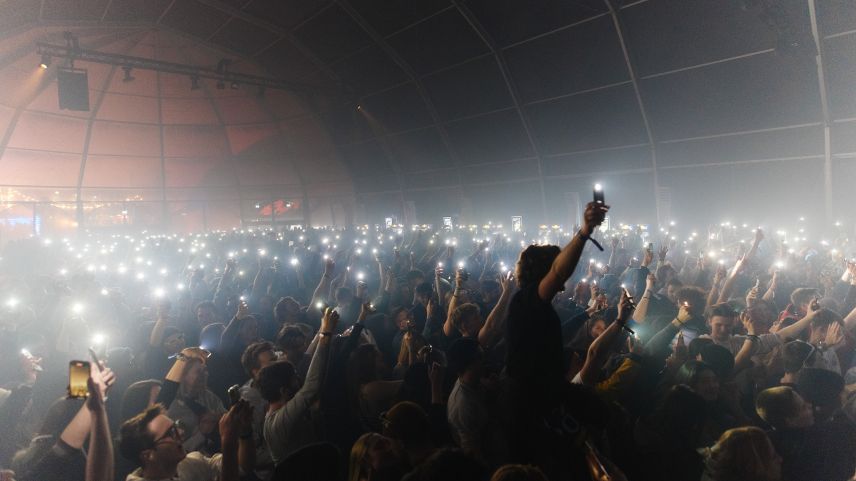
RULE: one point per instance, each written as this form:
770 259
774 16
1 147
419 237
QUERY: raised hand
625 307
759 236
593 216
329 321
505 281
684 314
329 267
650 282
664 249
366 309
243 311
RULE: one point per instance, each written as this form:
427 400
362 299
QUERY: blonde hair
518 472
358 466
741 454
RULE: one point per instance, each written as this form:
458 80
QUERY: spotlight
127 77
46 61
359 107
233 85
194 82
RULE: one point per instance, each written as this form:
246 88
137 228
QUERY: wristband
325 334
588 238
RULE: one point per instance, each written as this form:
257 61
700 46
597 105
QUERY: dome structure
157 150
482 109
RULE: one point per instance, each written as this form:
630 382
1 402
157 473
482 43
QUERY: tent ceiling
553 92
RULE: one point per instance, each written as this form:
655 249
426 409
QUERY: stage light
46 61
234 85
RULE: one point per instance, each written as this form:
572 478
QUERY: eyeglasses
173 433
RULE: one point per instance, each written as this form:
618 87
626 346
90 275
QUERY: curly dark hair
534 263
250 357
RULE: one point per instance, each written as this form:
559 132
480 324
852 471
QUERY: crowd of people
382 353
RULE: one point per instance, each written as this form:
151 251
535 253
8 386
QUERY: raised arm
156 337
599 350
99 459
564 265
792 331
323 289
448 328
644 302
77 430
494 325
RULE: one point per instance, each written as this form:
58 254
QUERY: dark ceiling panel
490 138
798 142
332 34
574 59
243 37
489 91
15 13
759 92
613 160
836 16
394 110
840 63
135 10
420 150
73 9
194 18
369 70
285 13
387 17
286 61
665 35
366 157
510 21
346 124
594 120
438 42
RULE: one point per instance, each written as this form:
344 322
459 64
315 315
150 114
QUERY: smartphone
234 393
598 194
78 375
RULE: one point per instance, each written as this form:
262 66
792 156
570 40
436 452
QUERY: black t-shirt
534 337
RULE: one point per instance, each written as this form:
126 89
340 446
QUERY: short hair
695 346
462 312
719 358
206 305
723 309
274 377
690 372
803 295
289 335
407 422
463 353
134 435
821 387
250 357
694 296
795 354
776 405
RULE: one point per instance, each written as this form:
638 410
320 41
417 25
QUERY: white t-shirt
195 467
